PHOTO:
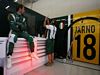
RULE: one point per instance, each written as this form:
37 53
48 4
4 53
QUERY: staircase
22 62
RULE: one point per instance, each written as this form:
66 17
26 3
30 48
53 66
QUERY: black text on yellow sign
86 41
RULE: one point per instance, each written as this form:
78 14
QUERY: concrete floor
58 68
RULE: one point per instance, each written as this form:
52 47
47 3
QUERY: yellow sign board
86 40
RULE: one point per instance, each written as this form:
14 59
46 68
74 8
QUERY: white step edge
40 51
40 47
21 50
39 55
14 61
17 55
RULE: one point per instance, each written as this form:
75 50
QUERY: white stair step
21 43
41 51
21 49
39 41
18 60
21 39
16 69
41 47
22 54
40 44
42 54
16 46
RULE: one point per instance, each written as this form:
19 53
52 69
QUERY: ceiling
57 8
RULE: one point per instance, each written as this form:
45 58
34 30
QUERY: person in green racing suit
18 28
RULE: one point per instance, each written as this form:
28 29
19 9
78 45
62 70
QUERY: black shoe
48 64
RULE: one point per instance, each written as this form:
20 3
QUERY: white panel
69 22
2 47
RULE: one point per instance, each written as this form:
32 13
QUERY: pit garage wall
85 43
85 37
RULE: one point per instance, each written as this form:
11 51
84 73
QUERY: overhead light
15 0
7 7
